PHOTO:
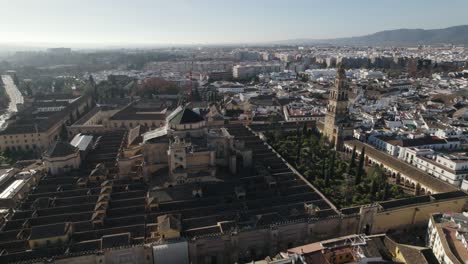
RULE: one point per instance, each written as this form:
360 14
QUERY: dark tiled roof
268 219
449 195
413 142
37 123
186 116
132 113
52 230
116 240
264 102
405 201
60 149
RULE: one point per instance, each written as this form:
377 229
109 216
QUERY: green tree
373 188
304 129
63 135
360 168
331 170
417 189
323 169
385 191
298 147
352 161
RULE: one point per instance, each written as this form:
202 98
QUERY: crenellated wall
259 243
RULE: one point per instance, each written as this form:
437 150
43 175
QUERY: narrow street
15 98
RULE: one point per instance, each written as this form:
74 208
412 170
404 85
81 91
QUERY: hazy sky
215 21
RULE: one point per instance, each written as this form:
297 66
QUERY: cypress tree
304 130
331 170
360 168
299 147
373 189
323 168
352 162
385 193
417 189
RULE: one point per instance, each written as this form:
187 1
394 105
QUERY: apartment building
37 126
451 168
250 71
447 237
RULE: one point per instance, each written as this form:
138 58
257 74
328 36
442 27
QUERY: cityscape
300 147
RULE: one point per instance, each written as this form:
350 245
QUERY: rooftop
60 149
185 116
50 230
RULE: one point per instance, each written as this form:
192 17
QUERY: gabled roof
185 116
46 231
60 149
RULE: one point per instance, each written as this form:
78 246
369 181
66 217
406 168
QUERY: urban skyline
220 132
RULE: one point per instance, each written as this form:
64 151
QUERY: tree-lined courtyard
347 183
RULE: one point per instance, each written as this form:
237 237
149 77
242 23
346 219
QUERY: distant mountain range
397 37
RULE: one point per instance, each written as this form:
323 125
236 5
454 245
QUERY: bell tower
337 110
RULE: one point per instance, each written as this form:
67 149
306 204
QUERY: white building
397 146
447 236
250 71
296 111
229 87
449 168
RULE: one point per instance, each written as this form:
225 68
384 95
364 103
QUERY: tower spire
341 72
